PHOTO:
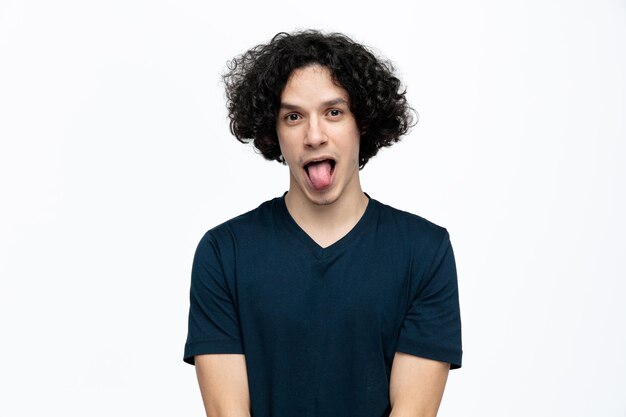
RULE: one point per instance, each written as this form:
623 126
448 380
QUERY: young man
323 301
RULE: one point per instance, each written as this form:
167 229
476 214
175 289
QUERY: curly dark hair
255 81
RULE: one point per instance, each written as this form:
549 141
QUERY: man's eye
334 112
293 117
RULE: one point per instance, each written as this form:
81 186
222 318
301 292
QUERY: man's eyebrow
333 102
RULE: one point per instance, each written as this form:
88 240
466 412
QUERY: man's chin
321 198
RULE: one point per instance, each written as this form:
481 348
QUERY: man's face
318 136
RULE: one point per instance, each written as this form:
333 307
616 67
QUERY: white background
116 157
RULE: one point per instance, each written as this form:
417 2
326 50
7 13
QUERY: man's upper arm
213 325
416 385
223 381
432 325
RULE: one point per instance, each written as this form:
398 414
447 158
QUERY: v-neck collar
318 251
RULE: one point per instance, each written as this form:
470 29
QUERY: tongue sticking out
319 173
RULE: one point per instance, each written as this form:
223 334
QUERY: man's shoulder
410 223
248 223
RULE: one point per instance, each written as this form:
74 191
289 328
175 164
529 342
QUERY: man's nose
315 135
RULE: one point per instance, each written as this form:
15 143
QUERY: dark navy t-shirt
319 327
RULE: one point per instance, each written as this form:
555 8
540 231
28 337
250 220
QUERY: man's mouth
320 172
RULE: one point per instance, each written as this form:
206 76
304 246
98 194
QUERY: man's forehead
312 85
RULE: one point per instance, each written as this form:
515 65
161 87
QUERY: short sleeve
213 325
432 325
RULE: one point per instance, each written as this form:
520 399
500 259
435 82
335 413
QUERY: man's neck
327 223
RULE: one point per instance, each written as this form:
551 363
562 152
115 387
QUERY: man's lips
310 162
